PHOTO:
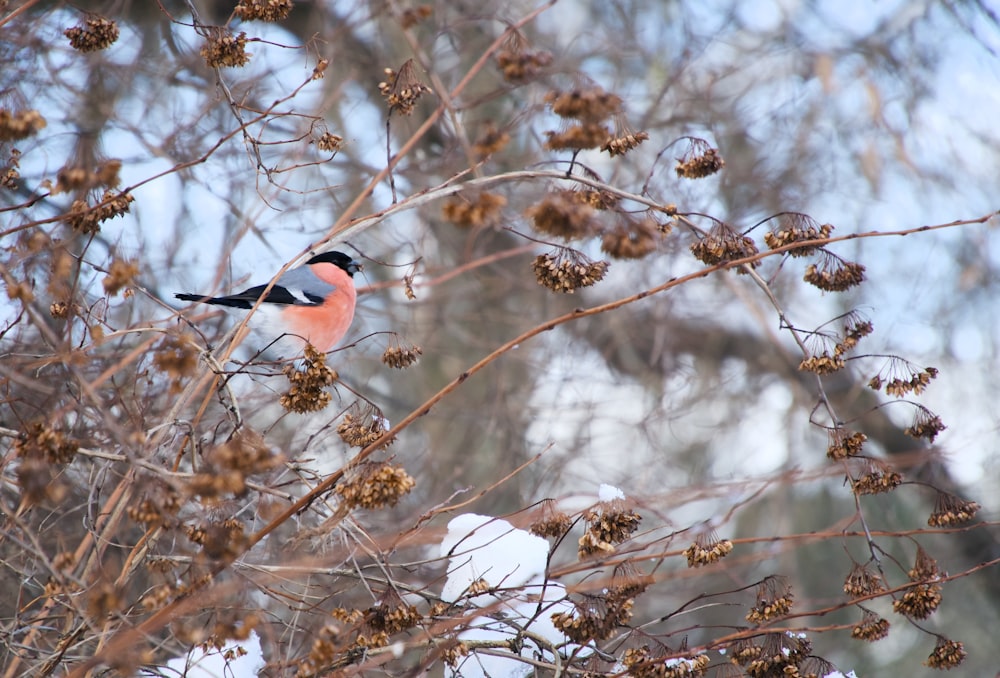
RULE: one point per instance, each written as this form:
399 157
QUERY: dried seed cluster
609 524
901 378
329 142
919 602
362 428
97 33
157 506
375 484
223 49
774 599
833 274
565 270
699 161
552 522
9 174
222 540
780 654
878 478
794 228
707 549
925 424
307 385
946 655
589 105
38 441
17 125
862 582
401 357
594 619
177 357
723 243
263 10
642 664
565 214
625 138
75 178
844 443
392 616
474 212
121 273
517 62
823 363
402 89
950 510
492 140
86 219
871 628
631 238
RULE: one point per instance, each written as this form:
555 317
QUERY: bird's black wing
247 298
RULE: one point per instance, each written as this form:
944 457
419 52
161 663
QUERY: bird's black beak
354 267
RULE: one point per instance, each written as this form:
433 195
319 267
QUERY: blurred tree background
150 148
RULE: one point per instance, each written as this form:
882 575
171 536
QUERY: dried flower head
86 219
723 243
641 664
329 142
401 357
402 89
517 62
925 568
608 524
624 139
391 615
158 505
856 328
823 363
552 522
925 424
700 160
780 655
844 443
576 136
177 356
361 428
97 33
372 485
628 581
878 478
595 618
919 601
263 10
222 49
947 655
950 510
900 377
121 274
833 274
491 140
563 214
631 238
707 548
774 599
566 270
220 540
9 174
794 227
307 384
481 210
17 125
39 441
871 628
590 105
863 581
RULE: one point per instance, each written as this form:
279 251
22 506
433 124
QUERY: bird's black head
338 259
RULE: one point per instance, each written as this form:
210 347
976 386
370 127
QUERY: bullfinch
314 303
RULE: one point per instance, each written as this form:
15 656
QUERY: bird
312 303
